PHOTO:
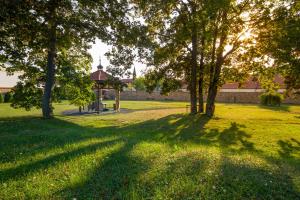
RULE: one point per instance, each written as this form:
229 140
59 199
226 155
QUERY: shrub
271 99
8 97
1 98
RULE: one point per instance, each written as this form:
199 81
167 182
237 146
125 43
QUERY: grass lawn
155 151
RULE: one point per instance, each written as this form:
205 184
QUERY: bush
1 98
271 99
8 98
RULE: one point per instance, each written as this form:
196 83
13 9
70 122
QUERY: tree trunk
213 88
201 95
193 81
80 109
215 70
201 78
210 105
117 100
209 109
50 73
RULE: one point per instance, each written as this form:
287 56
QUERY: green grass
155 151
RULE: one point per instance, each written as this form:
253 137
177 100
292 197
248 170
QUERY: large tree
196 41
175 27
230 22
43 38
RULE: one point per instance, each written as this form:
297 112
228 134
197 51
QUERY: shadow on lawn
119 176
285 108
26 136
289 148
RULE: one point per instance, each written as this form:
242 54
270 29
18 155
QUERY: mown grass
156 151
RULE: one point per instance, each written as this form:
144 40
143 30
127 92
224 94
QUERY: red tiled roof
99 75
251 83
128 80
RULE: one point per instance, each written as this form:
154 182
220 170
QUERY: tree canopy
279 39
198 42
47 39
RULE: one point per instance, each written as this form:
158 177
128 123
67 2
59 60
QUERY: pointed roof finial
100 67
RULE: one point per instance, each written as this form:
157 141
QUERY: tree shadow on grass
26 136
25 169
185 128
285 108
119 176
289 148
242 180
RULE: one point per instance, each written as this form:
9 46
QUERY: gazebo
103 80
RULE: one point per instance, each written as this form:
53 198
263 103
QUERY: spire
134 74
100 67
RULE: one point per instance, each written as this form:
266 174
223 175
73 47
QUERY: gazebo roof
99 75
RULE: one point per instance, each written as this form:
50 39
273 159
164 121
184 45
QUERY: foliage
1 98
43 38
196 41
266 78
27 95
8 97
271 99
280 25
139 84
79 91
116 83
121 59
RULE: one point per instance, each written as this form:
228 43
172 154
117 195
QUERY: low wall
141 95
248 97
222 97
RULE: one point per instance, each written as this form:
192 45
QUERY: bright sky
99 49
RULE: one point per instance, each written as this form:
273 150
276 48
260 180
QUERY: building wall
222 97
4 90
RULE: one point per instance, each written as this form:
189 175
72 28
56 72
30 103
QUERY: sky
99 49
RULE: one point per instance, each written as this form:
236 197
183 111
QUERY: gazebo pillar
98 98
101 98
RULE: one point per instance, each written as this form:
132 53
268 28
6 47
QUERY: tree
139 84
280 24
121 59
173 28
8 97
1 98
40 37
117 84
195 41
27 95
79 90
230 23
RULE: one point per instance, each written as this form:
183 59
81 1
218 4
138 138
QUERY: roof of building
99 75
127 80
253 83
